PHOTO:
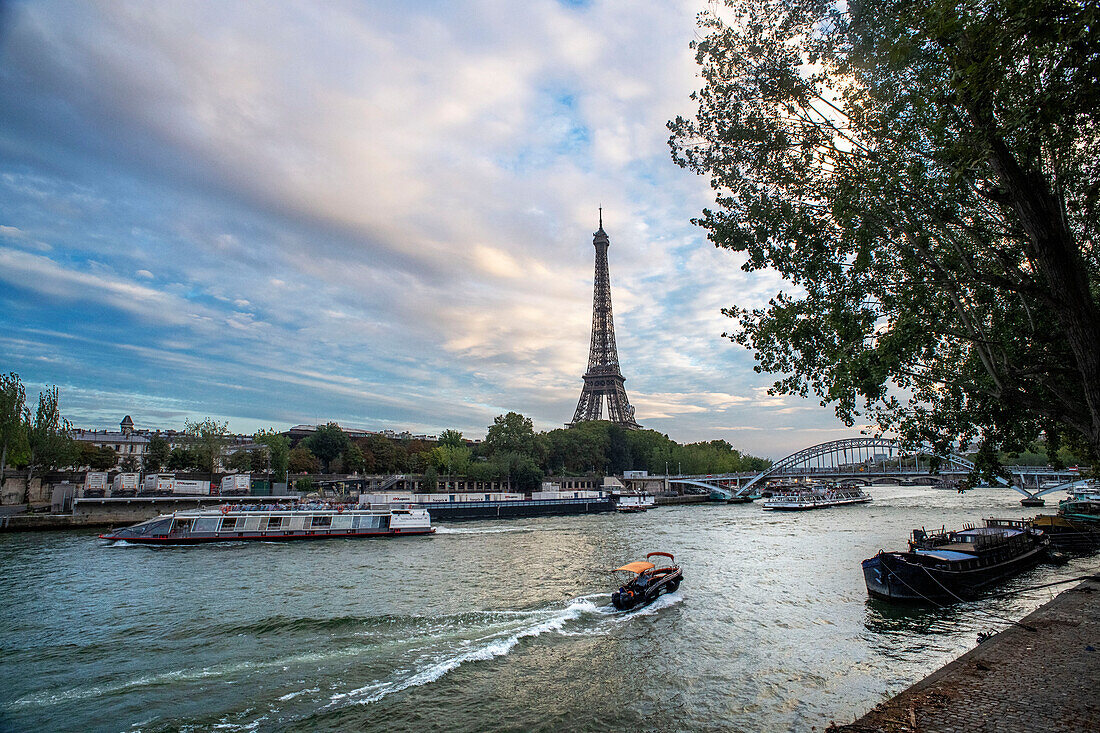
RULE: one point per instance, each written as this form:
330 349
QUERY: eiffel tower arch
603 379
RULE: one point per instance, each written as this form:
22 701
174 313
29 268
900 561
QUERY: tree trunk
27 486
1063 272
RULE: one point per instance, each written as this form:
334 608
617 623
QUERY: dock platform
1041 674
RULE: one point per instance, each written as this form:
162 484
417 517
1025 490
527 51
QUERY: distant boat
307 522
816 498
637 502
948 566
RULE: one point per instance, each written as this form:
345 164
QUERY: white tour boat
275 523
816 498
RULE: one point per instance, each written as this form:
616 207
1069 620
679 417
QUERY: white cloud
404 195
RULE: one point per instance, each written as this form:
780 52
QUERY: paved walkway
1020 680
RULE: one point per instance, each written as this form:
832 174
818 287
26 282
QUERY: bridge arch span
854 455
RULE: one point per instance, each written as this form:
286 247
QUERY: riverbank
1037 675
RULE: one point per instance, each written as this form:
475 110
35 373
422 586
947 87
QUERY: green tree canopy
451 460
512 433
926 177
278 451
184 459
97 459
48 436
452 438
156 453
13 418
240 460
328 442
354 460
209 439
300 460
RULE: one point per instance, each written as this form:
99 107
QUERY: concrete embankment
120 512
1038 675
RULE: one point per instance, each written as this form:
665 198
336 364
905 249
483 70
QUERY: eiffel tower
603 378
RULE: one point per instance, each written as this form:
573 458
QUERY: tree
184 459
354 460
278 451
452 438
450 459
156 453
327 443
925 175
511 433
95 458
385 453
431 480
300 460
129 464
13 417
240 461
209 441
49 437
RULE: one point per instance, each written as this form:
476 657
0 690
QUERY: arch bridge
870 460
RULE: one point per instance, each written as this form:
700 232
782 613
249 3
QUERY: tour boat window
206 524
321 521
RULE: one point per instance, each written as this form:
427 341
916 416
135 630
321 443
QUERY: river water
487 626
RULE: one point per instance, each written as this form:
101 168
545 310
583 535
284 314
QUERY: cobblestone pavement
1020 680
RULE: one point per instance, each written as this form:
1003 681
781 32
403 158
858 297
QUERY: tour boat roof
639 566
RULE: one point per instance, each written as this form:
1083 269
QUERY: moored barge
948 566
273 524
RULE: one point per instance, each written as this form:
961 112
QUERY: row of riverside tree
40 442
512 450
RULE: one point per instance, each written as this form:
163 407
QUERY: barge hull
471 510
199 540
913 583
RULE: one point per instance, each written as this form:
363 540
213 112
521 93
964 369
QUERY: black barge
942 567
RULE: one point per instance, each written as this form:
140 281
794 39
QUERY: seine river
487 626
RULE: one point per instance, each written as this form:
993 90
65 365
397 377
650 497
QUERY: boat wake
417 650
487 647
567 621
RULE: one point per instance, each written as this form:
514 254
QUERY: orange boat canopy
636 567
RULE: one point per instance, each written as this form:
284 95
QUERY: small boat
947 566
629 503
1068 535
816 498
274 523
1083 507
649 582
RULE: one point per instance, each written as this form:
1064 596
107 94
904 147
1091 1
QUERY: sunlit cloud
379 214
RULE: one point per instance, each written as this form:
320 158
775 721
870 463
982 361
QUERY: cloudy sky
379 213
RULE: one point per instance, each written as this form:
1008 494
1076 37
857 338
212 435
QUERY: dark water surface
486 626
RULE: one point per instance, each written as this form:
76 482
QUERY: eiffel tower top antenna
601 217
